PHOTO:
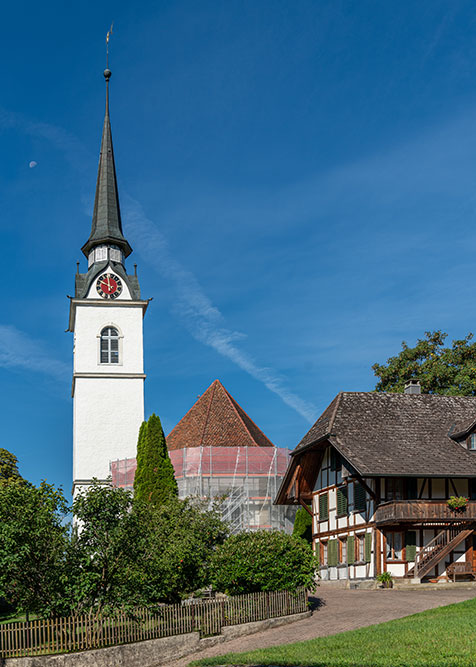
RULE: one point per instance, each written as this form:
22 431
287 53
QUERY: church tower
106 317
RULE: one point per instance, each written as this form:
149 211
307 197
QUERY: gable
304 470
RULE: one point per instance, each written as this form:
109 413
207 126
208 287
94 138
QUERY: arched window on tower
109 346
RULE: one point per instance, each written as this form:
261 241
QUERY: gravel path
339 610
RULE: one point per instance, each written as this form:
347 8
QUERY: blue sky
297 180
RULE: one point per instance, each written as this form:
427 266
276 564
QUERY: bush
303 525
181 538
263 561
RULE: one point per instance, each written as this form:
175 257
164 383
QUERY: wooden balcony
423 511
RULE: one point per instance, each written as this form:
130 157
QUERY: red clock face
108 286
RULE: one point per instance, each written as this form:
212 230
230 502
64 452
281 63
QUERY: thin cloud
203 320
67 143
18 350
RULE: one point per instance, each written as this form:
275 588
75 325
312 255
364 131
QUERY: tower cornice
126 303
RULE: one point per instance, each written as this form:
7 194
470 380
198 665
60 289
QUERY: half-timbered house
376 472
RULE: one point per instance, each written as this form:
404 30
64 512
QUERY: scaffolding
244 479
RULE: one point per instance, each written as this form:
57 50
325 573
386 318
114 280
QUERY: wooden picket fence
89 631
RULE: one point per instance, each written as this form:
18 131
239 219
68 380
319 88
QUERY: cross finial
108 36
107 71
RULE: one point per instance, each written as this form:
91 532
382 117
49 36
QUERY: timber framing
376 472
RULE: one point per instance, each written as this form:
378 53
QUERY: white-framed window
323 553
472 441
360 551
394 546
109 346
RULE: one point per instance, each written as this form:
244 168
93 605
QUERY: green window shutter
359 497
410 545
351 549
323 507
341 501
332 553
412 492
368 547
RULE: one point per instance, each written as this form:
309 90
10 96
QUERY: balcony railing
433 511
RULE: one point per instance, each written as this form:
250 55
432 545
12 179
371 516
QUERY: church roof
216 420
106 224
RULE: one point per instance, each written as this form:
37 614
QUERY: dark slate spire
107 226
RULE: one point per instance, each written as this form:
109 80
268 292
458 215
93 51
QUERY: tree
440 370
141 470
154 479
130 553
303 525
263 561
182 537
8 466
33 539
103 554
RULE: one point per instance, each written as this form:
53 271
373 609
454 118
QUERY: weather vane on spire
109 33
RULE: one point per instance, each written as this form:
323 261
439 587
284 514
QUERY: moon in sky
32 164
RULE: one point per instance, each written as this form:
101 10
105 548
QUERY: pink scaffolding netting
212 461
245 480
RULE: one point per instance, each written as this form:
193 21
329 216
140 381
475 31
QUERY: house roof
216 420
398 434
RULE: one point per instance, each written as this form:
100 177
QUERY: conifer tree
154 480
303 525
139 475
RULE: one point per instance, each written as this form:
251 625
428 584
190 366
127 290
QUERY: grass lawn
12 617
443 637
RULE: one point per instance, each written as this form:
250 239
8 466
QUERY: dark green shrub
154 480
263 561
303 525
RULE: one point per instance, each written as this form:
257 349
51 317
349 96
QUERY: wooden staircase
439 547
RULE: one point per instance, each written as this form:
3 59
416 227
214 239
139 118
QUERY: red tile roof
216 420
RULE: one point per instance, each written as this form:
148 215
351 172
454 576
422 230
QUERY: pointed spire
107 225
